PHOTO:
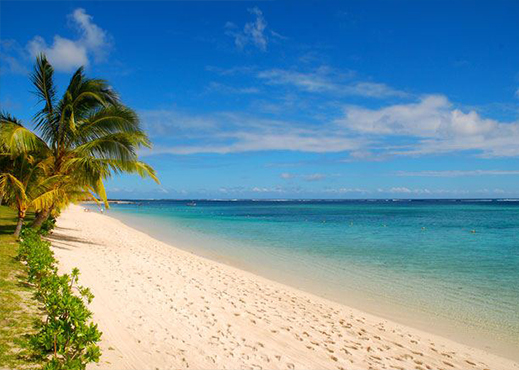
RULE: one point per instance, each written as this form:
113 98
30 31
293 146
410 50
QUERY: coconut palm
25 171
25 183
89 133
25 160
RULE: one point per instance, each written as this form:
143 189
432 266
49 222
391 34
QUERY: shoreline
163 307
281 268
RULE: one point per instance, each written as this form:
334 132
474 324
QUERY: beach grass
18 308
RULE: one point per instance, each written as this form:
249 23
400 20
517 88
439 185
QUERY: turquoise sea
446 266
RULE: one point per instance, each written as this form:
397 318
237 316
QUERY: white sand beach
160 307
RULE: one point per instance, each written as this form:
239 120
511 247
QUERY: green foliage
67 337
38 256
47 226
18 308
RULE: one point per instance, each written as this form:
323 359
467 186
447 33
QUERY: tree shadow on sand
58 240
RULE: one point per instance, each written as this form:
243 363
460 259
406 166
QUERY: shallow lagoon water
451 267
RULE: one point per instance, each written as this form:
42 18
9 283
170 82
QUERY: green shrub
38 255
47 226
67 337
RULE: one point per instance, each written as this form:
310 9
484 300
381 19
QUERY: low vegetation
19 309
67 338
45 322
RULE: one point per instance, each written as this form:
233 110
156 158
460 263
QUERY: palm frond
43 80
11 187
101 191
15 139
120 146
110 120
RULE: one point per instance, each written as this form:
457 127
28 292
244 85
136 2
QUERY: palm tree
89 133
25 184
24 160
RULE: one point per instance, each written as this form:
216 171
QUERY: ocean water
451 267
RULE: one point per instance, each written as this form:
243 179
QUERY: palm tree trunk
41 218
18 227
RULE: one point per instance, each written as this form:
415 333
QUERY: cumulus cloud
433 125
67 54
432 116
253 33
95 39
64 54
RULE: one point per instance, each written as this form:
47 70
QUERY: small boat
191 204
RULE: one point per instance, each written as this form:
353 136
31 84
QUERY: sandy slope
162 308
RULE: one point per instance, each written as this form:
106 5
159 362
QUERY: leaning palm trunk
18 227
41 218
21 217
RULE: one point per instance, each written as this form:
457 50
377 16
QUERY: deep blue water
457 260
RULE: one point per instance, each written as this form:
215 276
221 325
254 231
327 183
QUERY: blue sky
362 99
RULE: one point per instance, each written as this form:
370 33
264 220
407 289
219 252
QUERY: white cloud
256 141
310 178
418 119
404 190
347 190
433 125
95 39
429 126
317 81
221 88
366 156
315 177
326 79
277 35
457 173
231 71
253 32
258 189
424 192
66 54
227 132
374 90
